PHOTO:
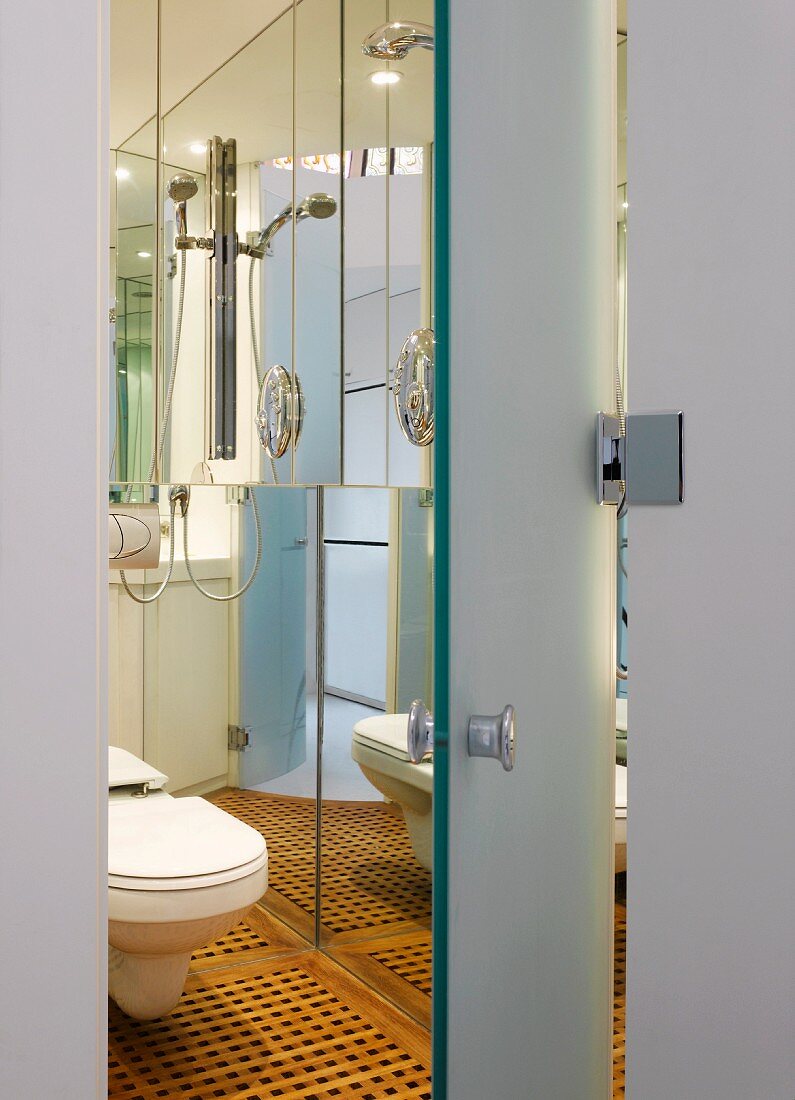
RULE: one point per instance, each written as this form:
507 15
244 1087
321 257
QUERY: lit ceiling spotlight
144 255
385 76
122 173
199 148
625 205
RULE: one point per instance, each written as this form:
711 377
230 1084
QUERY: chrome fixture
133 536
318 205
392 41
240 738
179 497
223 245
641 462
222 182
493 736
280 411
419 734
180 189
413 387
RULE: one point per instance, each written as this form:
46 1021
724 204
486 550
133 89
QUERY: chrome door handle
419 740
493 736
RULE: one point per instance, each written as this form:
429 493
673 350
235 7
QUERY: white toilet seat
164 843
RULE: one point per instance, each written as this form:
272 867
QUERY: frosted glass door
273 640
525 594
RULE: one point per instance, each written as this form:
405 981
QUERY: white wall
53 470
712 584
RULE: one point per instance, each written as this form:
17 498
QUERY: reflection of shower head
180 189
392 41
319 205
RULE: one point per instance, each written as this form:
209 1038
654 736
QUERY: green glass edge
441 511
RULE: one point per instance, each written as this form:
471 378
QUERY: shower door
526 561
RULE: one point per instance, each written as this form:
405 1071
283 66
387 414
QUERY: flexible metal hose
255 348
162 588
157 450
257 559
157 456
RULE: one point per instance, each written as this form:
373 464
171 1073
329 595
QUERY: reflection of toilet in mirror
380 749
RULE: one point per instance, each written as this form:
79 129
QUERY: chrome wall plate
649 460
280 411
413 387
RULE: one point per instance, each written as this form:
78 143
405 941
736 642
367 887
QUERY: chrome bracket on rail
643 466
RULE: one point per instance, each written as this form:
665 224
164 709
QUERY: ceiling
234 78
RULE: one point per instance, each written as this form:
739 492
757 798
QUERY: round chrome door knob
419 735
494 736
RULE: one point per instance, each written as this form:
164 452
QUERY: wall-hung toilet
380 749
181 874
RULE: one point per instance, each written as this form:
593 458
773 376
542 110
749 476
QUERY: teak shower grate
293 1027
370 880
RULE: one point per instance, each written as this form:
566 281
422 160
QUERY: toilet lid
386 733
177 838
126 770
621 790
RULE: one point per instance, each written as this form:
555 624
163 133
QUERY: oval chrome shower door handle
493 735
419 739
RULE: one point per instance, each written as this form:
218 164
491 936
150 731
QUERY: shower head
318 205
392 41
180 189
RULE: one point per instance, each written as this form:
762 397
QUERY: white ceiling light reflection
385 76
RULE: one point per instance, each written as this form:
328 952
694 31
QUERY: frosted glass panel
273 640
356 609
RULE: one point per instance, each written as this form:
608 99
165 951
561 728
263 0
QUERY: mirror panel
375 896
335 627
317 458
249 98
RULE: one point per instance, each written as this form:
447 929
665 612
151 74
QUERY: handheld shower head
318 205
392 41
180 189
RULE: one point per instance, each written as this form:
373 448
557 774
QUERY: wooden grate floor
370 877
411 962
619 999
294 1027
259 936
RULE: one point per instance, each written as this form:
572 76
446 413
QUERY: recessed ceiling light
625 205
144 255
385 76
199 148
122 173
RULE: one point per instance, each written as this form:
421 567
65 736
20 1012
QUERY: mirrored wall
272 192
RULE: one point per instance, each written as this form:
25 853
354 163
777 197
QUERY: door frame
54 299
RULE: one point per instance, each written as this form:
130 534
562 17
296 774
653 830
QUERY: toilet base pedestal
146 987
420 828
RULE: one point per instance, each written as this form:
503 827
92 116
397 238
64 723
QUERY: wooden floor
265 1015
262 1017
619 987
370 882
375 898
